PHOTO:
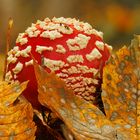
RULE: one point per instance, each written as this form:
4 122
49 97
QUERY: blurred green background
118 19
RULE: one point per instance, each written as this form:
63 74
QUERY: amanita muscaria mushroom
70 48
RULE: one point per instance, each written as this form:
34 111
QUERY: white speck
100 34
34 34
53 65
95 54
65 29
40 49
85 69
93 31
20 36
25 52
87 26
51 26
90 81
72 70
18 68
32 31
75 59
109 47
8 76
32 28
42 24
100 45
10 52
62 75
29 63
60 49
15 49
82 89
18 53
63 20
15 76
78 26
51 34
78 43
23 41
47 20
11 59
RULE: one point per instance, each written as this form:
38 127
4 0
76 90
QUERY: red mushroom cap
72 49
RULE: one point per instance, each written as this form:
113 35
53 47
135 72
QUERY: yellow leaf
121 90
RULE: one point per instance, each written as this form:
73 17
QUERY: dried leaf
82 118
16 114
121 88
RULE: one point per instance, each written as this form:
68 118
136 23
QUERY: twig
8 37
